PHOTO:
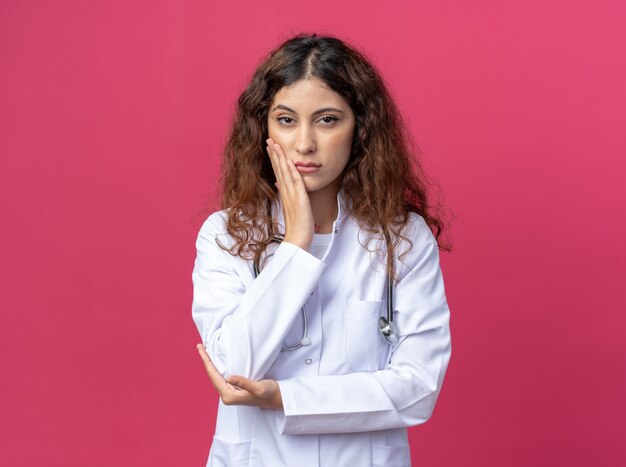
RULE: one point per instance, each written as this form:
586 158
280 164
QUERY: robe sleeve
403 393
243 327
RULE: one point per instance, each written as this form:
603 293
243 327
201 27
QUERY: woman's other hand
295 200
238 390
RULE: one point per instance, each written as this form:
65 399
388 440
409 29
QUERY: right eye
284 120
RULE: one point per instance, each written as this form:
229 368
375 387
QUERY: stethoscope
386 325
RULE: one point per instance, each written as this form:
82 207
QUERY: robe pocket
229 454
391 456
365 345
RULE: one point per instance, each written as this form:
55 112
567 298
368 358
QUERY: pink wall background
112 118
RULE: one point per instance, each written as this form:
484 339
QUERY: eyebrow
320 111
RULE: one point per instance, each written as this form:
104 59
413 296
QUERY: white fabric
320 244
348 396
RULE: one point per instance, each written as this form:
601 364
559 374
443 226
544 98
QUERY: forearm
243 330
401 395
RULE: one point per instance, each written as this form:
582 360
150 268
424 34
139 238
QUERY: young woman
317 289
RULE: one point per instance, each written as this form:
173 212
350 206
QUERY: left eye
328 119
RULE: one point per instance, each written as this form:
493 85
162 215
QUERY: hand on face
294 197
238 390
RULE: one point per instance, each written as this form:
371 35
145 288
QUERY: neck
324 209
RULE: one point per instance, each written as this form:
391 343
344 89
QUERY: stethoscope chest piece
388 330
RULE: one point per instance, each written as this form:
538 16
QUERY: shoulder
216 222
419 244
416 243
418 230
215 227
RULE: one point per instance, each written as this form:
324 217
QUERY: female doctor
318 293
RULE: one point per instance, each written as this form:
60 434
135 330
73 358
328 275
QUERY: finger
236 395
281 158
244 383
215 376
274 159
292 173
206 360
283 169
270 154
286 182
296 178
286 174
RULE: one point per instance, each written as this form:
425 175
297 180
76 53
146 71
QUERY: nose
305 140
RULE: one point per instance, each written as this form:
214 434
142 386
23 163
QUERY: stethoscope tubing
386 325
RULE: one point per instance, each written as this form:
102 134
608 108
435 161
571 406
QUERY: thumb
241 382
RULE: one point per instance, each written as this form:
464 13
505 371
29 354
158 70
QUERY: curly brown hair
383 181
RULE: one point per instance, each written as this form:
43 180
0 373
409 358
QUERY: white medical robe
348 396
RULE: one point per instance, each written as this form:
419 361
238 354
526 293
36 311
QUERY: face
314 127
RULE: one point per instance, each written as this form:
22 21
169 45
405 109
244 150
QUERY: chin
312 187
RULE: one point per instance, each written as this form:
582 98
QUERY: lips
307 167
